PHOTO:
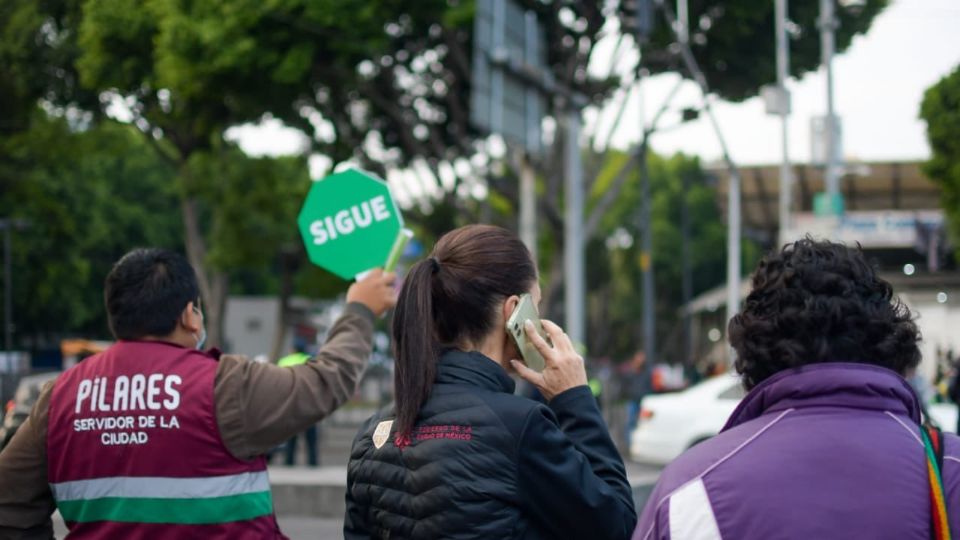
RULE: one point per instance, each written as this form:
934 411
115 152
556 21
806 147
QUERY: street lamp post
575 304
828 24
783 68
646 257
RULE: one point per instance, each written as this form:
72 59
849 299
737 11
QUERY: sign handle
403 238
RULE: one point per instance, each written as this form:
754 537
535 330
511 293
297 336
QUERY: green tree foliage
187 72
352 75
37 51
240 210
88 197
732 41
941 111
92 193
384 83
257 202
613 273
346 73
124 57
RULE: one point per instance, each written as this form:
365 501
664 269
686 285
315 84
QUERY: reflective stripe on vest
187 501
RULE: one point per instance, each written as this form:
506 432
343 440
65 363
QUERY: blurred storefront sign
872 229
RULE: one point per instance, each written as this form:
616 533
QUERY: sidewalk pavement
637 474
319 492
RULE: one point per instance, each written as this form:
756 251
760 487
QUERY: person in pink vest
157 438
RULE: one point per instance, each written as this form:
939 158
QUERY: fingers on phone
537 339
527 374
560 339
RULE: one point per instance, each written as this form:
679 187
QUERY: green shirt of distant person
294 359
596 387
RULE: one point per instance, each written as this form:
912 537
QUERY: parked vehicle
669 424
944 415
18 408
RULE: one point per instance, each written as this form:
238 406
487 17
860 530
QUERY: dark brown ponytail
448 300
415 341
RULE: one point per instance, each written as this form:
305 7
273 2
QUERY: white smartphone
526 310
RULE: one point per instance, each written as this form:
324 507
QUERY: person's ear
190 319
509 305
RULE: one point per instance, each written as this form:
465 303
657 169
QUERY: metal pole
733 246
733 192
573 249
528 188
828 24
496 82
646 257
683 27
528 206
687 280
783 68
8 288
648 320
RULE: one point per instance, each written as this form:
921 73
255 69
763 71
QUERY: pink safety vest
134 451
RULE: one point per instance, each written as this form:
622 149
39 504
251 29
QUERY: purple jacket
829 451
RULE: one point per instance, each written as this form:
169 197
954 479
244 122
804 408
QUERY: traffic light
636 18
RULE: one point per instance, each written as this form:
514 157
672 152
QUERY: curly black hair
818 301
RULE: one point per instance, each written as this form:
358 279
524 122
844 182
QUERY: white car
671 423
945 416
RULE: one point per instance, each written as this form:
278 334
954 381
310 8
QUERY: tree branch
411 146
163 153
609 197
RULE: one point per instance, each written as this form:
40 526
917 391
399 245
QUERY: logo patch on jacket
443 431
382 433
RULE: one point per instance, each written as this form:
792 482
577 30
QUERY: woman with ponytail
459 455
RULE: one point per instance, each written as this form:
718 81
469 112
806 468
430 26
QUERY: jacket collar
129 344
859 386
473 369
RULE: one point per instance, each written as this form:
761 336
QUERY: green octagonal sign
349 223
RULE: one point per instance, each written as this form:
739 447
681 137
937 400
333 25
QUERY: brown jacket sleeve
261 405
26 501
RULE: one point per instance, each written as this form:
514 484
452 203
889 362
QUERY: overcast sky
879 82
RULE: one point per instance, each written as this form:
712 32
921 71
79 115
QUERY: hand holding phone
564 366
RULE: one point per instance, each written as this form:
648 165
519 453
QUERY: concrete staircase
309 492
335 442
318 492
